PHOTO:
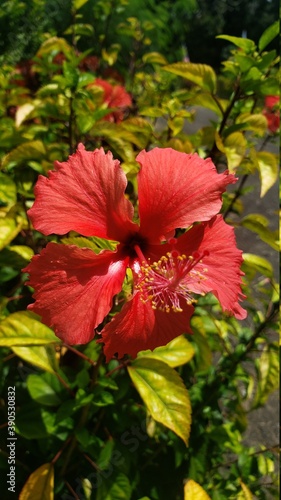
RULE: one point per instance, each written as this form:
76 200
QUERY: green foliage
169 424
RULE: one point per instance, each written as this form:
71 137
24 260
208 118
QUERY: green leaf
8 192
23 112
164 394
268 35
245 62
16 256
200 74
268 374
243 43
245 493
31 150
258 224
116 487
268 170
259 264
77 4
269 86
105 455
255 122
207 101
80 29
44 389
94 243
193 491
40 484
154 58
204 354
234 147
9 228
23 328
43 357
176 353
35 422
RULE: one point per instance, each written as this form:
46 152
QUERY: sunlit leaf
94 243
40 484
44 389
77 4
268 374
54 44
243 43
268 35
154 58
234 147
200 74
176 353
16 256
8 192
258 263
23 112
268 170
80 29
258 224
193 491
24 329
255 122
206 100
9 228
43 357
31 150
164 394
204 354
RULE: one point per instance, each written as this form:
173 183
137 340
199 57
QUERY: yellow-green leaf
268 170
258 263
235 146
176 353
258 224
193 491
207 101
268 35
256 122
245 493
43 357
77 4
268 374
40 484
16 256
30 150
243 43
200 74
154 58
9 228
204 354
23 112
164 394
24 329
8 193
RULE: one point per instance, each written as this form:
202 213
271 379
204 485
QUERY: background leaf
164 394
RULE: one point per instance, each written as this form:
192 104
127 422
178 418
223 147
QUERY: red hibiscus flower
272 113
115 96
74 287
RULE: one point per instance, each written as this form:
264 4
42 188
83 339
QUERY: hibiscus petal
84 194
220 268
139 327
74 289
176 190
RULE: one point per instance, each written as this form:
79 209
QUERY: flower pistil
166 281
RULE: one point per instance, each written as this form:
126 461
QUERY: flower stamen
165 282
